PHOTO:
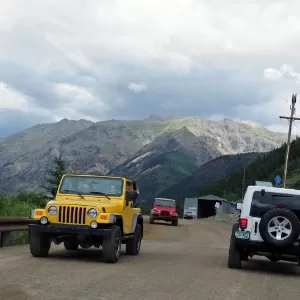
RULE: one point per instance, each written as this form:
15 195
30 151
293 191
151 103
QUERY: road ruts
185 262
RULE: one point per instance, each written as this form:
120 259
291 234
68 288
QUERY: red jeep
164 209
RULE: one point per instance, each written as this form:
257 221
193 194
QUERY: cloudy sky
103 59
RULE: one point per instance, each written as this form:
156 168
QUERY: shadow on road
85 255
272 268
165 224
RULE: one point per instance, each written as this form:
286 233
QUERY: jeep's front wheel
39 244
112 245
175 222
71 244
234 255
151 219
133 246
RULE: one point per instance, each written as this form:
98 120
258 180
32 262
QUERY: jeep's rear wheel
133 246
112 245
151 220
71 244
234 255
39 244
175 222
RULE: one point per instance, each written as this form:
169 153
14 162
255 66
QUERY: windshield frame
164 201
91 194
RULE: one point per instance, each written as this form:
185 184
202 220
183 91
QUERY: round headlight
44 220
92 213
52 210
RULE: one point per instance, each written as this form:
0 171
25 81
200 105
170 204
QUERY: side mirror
132 195
54 191
239 206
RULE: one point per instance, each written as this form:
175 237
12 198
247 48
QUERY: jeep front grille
165 213
71 215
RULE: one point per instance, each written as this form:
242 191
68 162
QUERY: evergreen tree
58 170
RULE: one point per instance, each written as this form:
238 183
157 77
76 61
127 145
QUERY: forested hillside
264 168
209 173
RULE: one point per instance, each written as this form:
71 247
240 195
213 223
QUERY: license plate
242 234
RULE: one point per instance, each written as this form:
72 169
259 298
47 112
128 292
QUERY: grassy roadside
19 206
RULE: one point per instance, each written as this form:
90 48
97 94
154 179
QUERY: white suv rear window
262 203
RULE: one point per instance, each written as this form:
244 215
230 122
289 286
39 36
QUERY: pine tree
58 170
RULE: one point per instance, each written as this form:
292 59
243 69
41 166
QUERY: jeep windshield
164 202
86 185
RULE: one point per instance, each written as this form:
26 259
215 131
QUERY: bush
19 206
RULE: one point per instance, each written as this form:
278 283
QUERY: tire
175 222
112 245
151 220
133 246
71 244
279 212
39 244
234 255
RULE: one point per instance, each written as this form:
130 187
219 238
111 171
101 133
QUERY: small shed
207 206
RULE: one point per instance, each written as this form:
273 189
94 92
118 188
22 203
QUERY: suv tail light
243 223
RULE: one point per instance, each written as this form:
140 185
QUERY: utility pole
291 119
244 177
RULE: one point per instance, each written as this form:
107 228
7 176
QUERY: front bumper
164 218
69 229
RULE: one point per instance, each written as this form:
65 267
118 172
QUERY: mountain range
158 151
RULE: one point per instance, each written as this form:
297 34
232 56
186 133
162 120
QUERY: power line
291 119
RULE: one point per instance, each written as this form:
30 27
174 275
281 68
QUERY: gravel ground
185 262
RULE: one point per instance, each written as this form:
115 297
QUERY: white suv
268 226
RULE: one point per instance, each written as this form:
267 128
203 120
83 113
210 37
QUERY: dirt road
185 262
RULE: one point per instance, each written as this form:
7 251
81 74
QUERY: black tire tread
151 220
39 244
131 246
109 245
175 222
234 255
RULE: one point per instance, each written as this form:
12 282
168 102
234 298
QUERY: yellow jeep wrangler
89 210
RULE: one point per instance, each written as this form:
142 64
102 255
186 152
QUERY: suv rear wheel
279 227
234 255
